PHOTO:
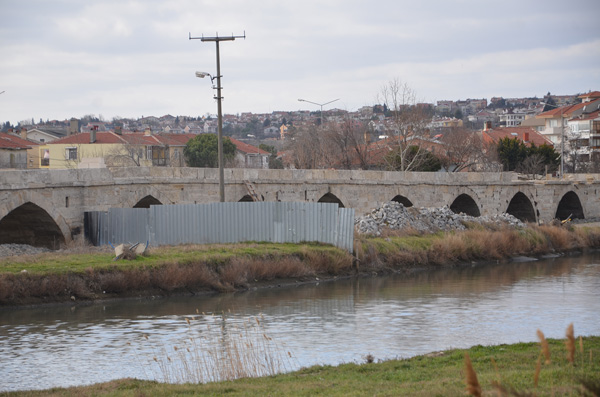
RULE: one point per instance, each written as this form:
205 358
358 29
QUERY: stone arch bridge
46 207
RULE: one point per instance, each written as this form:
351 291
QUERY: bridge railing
214 223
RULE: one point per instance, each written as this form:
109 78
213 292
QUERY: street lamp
319 104
203 75
217 39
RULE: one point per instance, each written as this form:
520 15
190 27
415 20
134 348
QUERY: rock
395 216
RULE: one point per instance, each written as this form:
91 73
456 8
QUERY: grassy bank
518 369
63 277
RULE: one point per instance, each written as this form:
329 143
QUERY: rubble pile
396 216
20 249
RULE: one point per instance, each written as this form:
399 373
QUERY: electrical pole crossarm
217 37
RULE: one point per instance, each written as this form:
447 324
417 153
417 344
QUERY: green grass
64 277
441 374
60 263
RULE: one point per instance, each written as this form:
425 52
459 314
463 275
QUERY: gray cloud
131 58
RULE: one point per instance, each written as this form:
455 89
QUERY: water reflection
329 323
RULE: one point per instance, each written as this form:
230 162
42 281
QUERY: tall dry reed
544 345
473 387
570 344
217 350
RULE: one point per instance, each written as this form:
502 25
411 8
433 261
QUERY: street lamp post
319 104
217 39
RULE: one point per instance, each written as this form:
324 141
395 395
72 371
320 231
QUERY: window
45 157
159 156
71 153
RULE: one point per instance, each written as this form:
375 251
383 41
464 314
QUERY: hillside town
449 135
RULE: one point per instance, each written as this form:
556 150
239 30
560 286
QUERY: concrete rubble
395 216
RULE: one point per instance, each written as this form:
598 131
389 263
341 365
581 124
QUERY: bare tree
463 149
307 147
347 143
129 153
406 120
532 166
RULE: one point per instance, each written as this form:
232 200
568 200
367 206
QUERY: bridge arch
569 205
465 204
521 208
331 198
402 200
144 196
147 201
31 224
46 208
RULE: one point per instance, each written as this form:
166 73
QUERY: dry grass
197 268
471 245
196 271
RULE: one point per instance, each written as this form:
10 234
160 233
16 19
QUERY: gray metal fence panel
279 222
128 225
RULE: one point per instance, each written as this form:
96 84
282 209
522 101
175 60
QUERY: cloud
133 57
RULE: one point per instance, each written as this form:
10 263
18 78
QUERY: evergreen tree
203 151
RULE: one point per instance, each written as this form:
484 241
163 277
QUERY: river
323 323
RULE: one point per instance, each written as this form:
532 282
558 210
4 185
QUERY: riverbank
78 276
516 369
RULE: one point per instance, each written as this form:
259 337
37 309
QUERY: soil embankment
397 240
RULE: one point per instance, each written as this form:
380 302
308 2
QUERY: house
98 149
42 135
575 128
535 123
584 135
16 152
556 119
527 135
283 131
70 151
445 122
271 131
248 156
510 118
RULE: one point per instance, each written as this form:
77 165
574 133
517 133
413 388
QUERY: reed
544 345
216 350
570 344
473 386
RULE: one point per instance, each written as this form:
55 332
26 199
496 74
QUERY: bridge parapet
64 195
20 179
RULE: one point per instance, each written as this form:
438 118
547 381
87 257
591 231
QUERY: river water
328 323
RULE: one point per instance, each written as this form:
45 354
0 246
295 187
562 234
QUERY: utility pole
217 39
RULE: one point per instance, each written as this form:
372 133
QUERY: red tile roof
8 141
247 148
568 110
589 116
140 138
564 110
84 137
494 135
593 94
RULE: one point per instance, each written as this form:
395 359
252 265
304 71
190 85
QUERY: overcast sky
69 58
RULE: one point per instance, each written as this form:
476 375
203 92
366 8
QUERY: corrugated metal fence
279 222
